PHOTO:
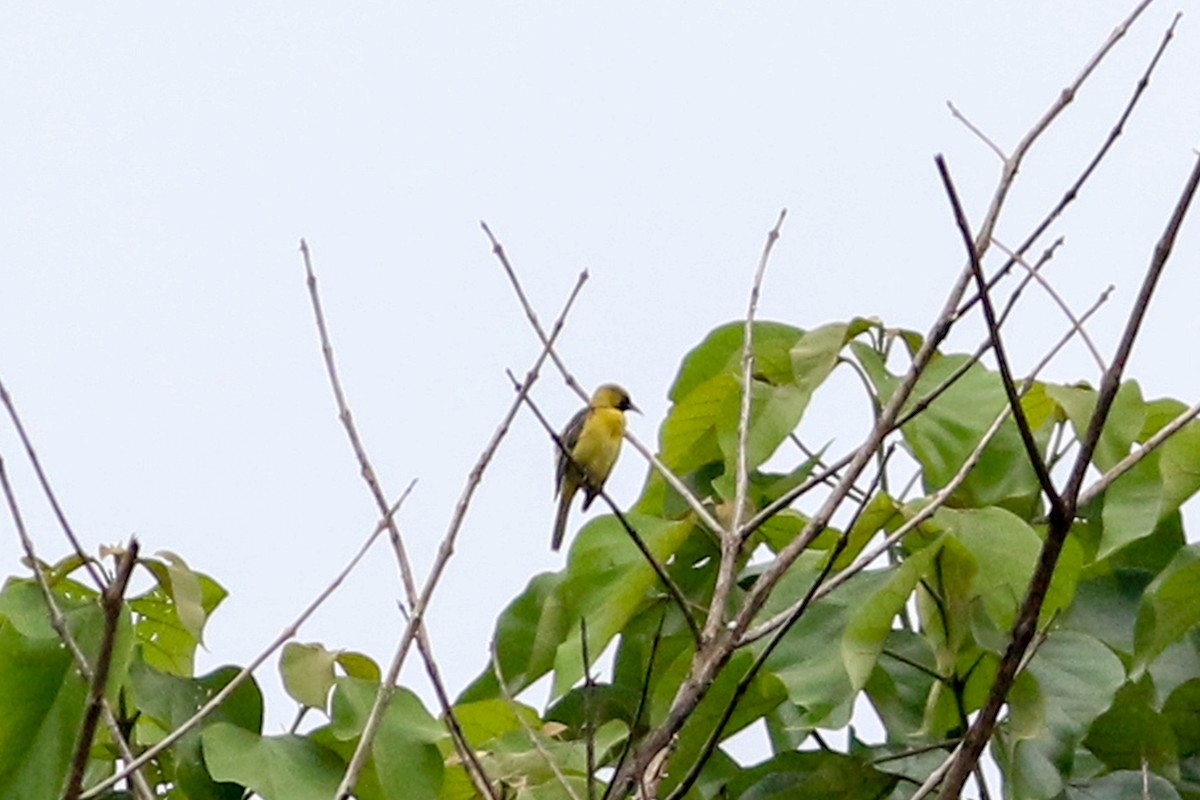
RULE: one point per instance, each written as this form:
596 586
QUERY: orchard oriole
591 442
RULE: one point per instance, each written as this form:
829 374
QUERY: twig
696 504
288 633
983 137
112 603
1025 626
49 492
663 576
1073 191
643 698
141 788
1036 274
445 550
471 763
1010 389
927 400
730 539
589 728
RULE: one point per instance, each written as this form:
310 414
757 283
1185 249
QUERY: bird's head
610 395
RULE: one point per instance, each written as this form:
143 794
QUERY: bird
591 443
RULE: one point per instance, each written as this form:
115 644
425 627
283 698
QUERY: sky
161 162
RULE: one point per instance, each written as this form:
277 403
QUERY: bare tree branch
86 560
1032 452
112 602
1025 627
731 541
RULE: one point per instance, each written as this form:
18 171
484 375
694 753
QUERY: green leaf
307 671
405 749
1123 426
1009 548
358 665
1171 605
165 701
812 776
870 624
1131 732
1132 506
1182 711
943 436
1122 785
42 695
608 581
287 767
527 636
1077 677
171 616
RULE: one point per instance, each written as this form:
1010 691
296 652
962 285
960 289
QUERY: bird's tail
560 521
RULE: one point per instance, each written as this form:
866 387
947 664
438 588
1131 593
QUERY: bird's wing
570 438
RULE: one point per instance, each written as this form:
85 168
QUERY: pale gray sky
159 164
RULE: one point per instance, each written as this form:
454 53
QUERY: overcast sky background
159 164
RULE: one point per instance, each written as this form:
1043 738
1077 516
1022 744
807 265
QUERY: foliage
1114 686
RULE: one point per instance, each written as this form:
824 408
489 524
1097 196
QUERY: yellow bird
593 439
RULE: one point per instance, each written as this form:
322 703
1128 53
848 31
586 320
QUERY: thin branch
49 492
663 577
983 137
1025 626
730 539
1073 191
589 728
1032 452
445 550
643 698
141 788
112 602
696 504
471 762
1036 274
287 634
927 400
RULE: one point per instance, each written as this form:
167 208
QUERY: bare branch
1073 191
730 539
112 601
1035 273
1010 389
983 137
1025 627
49 492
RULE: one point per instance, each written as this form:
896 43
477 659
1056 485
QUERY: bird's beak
634 409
